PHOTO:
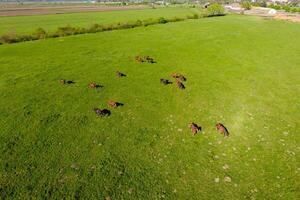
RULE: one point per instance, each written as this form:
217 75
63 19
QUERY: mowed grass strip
241 71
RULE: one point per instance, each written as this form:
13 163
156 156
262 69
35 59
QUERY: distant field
33 9
27 24
241 71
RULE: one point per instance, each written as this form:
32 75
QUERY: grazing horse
222 129
112 104
165 81
101 113
180 85
120 74
62 81
178 76
145 59
93 85
194 128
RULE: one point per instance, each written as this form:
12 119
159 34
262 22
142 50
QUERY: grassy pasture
241 71
28 24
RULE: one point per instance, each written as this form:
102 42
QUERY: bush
175 19
24 38
52 35
295 10
148 22
290 9
194 16
260 4
80 31
125 25
9 38
108 27
286 8
13 38
246 5
66 30
40 33
215 10
263 4
131 24
162 20
276 7
94 28
139 23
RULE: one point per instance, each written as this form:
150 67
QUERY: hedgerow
286 8
64 31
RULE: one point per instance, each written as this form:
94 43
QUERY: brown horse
222 129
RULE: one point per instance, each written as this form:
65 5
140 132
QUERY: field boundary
64 31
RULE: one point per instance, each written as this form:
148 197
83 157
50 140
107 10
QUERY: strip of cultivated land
11 10
242 71
27 24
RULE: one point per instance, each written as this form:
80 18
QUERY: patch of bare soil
42 10
288 17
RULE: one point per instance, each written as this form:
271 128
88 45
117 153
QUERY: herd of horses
179 79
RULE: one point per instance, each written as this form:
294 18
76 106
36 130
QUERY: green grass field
28 24
241 71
